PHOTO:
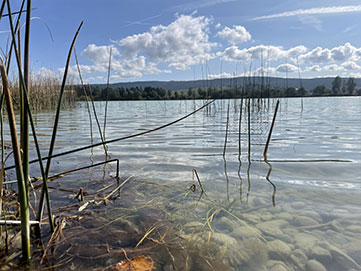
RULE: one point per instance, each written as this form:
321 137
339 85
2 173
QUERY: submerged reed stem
226 137
271 129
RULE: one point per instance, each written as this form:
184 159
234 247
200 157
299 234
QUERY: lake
298 210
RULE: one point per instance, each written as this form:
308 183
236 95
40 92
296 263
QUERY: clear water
299 211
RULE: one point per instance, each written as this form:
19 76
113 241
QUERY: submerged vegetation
107 219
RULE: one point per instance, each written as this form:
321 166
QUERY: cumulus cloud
349 65
182 43
312 11
220 75
264 52
333 67
237 34
319 55
285 68
99 54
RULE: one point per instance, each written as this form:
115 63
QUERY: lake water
299 210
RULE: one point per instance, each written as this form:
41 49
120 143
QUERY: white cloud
312 21
266 53
286 68
237 34
99 54
349 65
333 67
313 68
220 75
182 43
319 55
313 11
46 73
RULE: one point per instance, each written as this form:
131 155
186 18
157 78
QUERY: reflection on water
299 210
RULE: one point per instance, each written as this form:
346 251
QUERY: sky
186 40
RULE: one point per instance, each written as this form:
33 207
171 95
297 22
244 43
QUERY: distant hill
308 84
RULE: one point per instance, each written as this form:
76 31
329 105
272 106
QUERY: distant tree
319 90
350 85
291 91
336 85
301 92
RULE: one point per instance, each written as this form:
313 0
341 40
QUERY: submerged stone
314 265
301 221
278 250
299 258
320 254
272 228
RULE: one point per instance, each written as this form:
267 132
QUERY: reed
23 196
107 90
271 129
226 136
56 121
249 130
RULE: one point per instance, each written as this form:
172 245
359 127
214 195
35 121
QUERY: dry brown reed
45 90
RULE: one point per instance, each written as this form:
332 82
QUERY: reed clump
44 94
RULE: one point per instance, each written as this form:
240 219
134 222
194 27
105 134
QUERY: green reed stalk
97 121
107 90
55 128
2 131
85 94
249 130
270 131
25 118
240 128
26 100
23 197
226 137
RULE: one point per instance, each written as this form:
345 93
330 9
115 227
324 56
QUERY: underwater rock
266 216
285 216
272 228
244 232
341 258
225 225
305 242
298 205
223 239
278 250
320 254
192 227
314 265
251 218
299 258
314 215
301 221
354 228
353 249
277 266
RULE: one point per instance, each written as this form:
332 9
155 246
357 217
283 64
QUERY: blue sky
186 40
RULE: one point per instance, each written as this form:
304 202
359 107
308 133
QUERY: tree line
339 88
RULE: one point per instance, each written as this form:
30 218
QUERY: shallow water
299 211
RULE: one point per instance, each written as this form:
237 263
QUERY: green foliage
249 90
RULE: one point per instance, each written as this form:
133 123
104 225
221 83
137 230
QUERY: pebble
302 221
299 258
314 265
272 228
278 250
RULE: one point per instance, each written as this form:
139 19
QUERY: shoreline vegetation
340 87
